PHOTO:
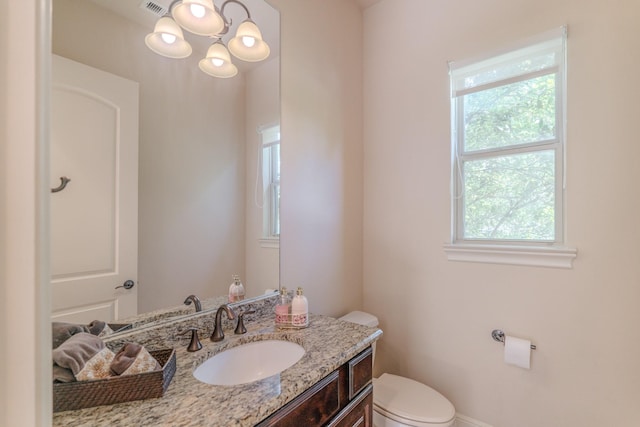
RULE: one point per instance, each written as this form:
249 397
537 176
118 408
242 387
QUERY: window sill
553 257
269 243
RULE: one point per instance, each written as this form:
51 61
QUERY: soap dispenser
300 310
240 287
283 309
236 290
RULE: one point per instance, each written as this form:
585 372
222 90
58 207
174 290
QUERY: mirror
201 202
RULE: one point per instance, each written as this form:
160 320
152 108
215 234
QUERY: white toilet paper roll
517 352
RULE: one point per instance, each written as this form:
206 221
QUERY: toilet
400 401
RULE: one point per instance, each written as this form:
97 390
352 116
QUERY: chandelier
203 18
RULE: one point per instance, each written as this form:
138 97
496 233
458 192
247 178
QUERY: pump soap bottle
283 309
300 310
236 290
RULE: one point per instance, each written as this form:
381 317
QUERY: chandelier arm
171 7
237 2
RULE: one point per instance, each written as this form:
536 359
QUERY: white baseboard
464 421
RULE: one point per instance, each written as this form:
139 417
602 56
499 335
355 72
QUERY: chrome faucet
195 300
218 334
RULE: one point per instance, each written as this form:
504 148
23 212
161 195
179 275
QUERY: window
508 147
271 182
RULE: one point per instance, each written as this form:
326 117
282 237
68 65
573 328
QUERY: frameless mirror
207 170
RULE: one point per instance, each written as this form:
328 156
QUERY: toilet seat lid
410 400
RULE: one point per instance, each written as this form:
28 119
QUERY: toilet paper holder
498 335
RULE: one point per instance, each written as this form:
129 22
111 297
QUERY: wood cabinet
344 398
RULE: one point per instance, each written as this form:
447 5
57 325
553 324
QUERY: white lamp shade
205 22
248 45
167 39
218 62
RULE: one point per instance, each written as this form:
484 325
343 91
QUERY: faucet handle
195 343
240 329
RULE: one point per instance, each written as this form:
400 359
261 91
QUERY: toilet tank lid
361 318
411 401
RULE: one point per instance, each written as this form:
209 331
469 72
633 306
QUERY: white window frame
270 137
518 252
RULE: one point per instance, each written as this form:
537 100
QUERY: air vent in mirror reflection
154 7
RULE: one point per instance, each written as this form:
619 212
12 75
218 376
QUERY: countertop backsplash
171 334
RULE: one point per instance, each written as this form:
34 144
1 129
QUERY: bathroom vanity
343 398
330 384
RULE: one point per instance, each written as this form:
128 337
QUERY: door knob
127 285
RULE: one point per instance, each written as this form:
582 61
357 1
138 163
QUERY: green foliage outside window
510 197
513 114
509 188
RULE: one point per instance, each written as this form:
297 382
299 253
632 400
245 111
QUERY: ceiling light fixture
218 61
203 18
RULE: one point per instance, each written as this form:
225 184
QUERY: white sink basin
249 362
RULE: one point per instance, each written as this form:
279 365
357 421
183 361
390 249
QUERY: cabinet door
360 372
344 398
314 407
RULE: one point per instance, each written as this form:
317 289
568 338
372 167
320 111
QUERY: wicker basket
86 394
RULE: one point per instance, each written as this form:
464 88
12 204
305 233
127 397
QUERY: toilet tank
361 318
366 319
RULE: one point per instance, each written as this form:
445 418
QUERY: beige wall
437 315
25 332
262 109
321 206
192 156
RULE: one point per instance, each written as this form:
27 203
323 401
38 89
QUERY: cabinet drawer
358 413
314 407
360 372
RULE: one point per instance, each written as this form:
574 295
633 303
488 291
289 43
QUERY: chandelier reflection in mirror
203 18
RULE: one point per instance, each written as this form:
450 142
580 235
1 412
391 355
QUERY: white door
94 219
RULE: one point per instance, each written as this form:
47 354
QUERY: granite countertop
328 342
